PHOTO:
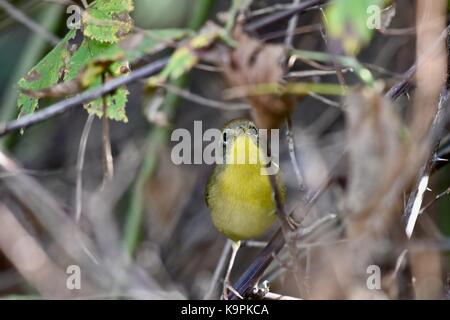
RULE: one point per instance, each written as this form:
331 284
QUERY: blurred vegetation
151 229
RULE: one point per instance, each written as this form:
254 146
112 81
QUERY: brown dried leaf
374 144
253 62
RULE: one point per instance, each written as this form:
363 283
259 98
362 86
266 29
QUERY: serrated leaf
130 49
114 6
181 61
90 52
88 63
108 21
45 74
351 22
115 105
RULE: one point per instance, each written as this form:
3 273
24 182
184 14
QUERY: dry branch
65 105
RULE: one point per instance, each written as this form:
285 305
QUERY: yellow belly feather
241 198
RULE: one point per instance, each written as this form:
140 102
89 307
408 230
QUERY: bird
239 192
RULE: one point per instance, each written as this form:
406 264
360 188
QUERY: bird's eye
252 131
227 135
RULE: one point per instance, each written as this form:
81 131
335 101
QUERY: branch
414 204
403 86
80 165
18 15
286 14
65 105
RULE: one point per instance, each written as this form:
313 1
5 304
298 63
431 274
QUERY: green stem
155 139
236 4
362 72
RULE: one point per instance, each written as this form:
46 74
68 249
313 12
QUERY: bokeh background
178 248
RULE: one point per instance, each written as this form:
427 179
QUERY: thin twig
337 66
293 153
403 86
291 27
440 195
325 100
289 129
202 100
314 73
297 31
253 244
31 53
80 165
283 15
413 206
29 23
66 104
108 164
271 9
218 271
276 296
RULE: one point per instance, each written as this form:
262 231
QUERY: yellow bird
238 192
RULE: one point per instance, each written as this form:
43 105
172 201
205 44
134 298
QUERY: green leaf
351 22
129 50
114 6
45 74
108 20
181 61
88 63
185 57
91 52
116 103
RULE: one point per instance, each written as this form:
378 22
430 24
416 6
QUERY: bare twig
293 153
202 100
291 27
289 129
338 67
65 105
108 165
324 100
403 86
439 196
313 73
413 206
80 165
297 31
29 23
271 9
218 271
283 15
30 258
253 244
276 296
48 212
